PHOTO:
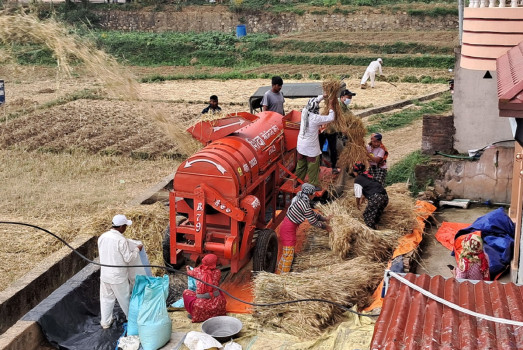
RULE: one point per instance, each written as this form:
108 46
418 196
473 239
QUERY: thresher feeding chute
231 192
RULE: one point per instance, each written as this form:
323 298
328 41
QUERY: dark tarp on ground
497 232
70 316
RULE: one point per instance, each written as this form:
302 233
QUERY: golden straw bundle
354 151
68 48
346 123
399 215
348 283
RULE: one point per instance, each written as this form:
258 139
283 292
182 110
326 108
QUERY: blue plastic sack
140 282
154 324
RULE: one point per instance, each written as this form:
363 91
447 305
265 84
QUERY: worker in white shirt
370 72
115 249
308 146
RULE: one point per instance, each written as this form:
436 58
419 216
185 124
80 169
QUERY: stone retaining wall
219 18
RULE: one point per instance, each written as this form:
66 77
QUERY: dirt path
402 142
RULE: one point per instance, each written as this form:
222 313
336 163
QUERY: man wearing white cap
370 72
115 249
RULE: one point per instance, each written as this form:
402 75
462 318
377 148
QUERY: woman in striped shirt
299 211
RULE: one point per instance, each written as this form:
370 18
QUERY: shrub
410 79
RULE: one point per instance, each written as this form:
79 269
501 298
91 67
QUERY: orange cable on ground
406 244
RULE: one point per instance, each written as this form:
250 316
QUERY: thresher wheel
266 251
166 247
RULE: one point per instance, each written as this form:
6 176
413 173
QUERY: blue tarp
497 232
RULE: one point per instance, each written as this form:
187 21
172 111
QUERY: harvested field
71 151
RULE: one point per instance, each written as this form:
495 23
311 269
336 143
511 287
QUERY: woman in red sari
207 301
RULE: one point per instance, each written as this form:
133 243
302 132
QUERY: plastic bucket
241 30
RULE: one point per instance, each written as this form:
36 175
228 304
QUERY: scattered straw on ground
348 283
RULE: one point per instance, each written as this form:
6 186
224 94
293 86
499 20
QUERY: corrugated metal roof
411 320
510 82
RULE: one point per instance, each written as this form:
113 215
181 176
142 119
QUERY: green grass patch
433 12
403 171
384 122
344 47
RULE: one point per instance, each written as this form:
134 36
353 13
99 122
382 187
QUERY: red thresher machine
233 193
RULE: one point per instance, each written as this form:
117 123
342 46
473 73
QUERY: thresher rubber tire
265 255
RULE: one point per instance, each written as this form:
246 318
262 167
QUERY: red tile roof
411 320
510 82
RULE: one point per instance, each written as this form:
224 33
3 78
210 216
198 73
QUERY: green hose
456 156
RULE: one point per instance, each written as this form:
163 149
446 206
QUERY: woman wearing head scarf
207 301
377 153
473 262
299 211
366 187
308 145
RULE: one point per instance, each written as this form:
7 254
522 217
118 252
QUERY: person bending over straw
207 301
299 211
366 187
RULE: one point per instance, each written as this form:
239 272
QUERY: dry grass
68 49
149 224
348 283
64 193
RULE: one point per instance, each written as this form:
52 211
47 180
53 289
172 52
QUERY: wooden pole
514 266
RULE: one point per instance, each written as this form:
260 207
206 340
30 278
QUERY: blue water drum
241 30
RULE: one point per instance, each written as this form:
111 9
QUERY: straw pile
351 238
348 124
68 49
349 283
399 215
149 224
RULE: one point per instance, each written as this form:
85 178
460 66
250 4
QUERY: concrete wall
219 18
489 178
24 294
476 113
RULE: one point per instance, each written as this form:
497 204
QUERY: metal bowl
222 328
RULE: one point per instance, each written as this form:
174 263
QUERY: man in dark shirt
366 187
213 105
273 99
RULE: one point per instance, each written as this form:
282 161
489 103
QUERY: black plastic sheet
70 316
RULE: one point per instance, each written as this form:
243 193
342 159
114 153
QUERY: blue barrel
241 30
